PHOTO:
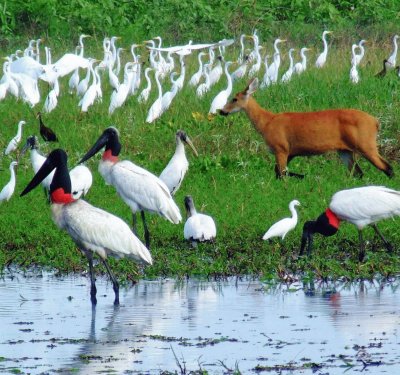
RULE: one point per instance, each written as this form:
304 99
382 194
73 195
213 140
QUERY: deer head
239 101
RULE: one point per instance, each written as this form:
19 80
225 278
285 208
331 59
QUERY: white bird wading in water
139 189
92 229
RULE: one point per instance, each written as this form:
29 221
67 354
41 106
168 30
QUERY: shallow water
48 325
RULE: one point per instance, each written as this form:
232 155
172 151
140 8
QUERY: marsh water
47 325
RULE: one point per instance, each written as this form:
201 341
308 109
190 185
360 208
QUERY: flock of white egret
96 231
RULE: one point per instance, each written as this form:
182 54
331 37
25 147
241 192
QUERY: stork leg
388 245
146 230
93 289
114 281
134 226
361 253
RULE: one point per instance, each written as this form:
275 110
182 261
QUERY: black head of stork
182 136
60 187
109 139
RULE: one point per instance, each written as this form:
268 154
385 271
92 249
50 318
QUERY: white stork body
8 190
13 144
92 229
284 226
198 227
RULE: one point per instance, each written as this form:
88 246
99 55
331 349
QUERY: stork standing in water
360 206
8 190
93 230
139 189
198 227
177 167
13 144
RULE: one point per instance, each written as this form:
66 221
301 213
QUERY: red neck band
59 196
334 221
107 155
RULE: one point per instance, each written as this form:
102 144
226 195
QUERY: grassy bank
232 179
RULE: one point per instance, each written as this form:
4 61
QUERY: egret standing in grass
177 167
222 97
8 190
392 58
93 230
360 206
198 227
321 60
13 144
284 226
140 190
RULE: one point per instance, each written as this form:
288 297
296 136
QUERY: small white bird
300 67
13 144
175 171
284 226
360 206
198 227
222 97
354 76
392 58
8 190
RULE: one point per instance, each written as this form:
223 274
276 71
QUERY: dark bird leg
114 281
93 289
307 238
146 230
361 253
134 227
388 245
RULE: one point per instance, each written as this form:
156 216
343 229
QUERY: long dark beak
223 113
191 145
23 151
46 168
101 142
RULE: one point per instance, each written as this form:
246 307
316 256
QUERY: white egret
155 110
255 68
119 96
273 69
195 79
321 60
8 190
84 83
198 227
168 96
284 226
74 79
7 81
92 92
205 86
241 71
52 98
266 80
357 57
93 230
140 190
354 76
181 79
216 72
360 206
13 144
222 97
288 74
144 95
300 67
392 58
175 171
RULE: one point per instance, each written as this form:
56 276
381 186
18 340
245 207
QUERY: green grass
232 179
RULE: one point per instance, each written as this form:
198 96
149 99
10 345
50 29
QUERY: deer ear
252 87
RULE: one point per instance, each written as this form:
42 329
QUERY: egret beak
191 145
100 143
46 168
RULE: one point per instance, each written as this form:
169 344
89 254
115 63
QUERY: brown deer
290 134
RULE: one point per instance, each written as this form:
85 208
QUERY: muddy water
47 325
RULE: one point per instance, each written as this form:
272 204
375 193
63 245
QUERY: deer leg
388 246
282 160
373 157
348 159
